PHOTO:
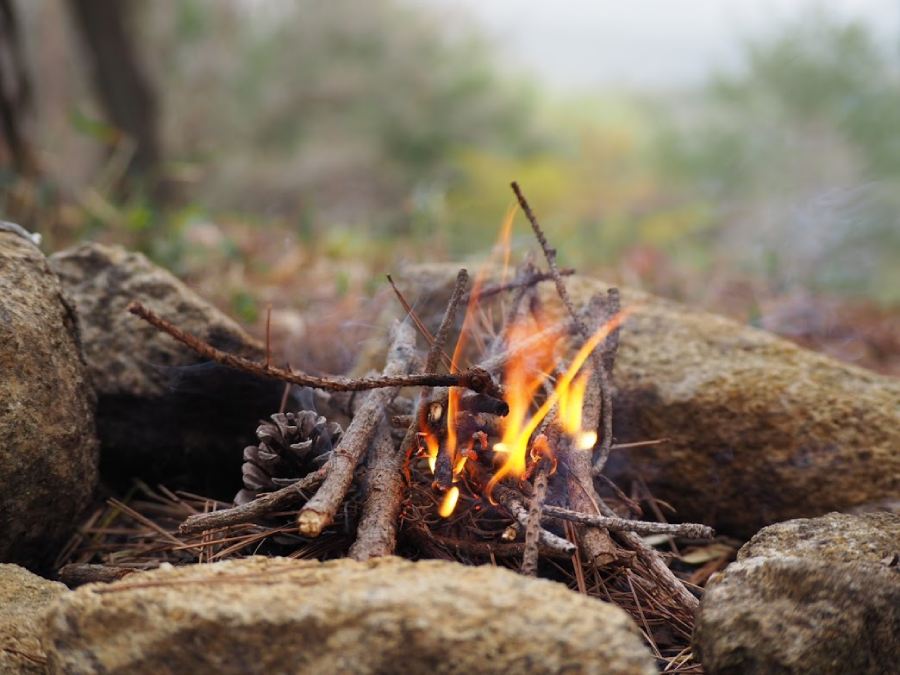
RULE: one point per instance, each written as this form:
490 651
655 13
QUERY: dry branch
319 511
513 503
521 282
79 574
476 379
640 527
270 502
535 509
604 435
377 531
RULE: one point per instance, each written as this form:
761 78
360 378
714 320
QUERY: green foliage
800 153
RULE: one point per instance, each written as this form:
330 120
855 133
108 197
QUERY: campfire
489 451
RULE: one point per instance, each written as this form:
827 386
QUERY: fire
448 503
521 387
526 374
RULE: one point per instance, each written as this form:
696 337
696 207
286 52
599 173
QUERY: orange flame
448 503
521 387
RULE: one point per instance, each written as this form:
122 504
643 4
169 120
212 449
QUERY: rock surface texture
48 447
161 413
807 596
759 430
264 615
24 598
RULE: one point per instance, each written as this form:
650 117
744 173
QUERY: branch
604 436
319 511
535 509
512 502
641 527
526 281
476 379
376 535
260 507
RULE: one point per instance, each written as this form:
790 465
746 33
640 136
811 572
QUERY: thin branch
449 318
523 282
320 510
476 379
604 436
270 502
535 509
513 503
641 527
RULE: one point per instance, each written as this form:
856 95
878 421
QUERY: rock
261 615
24 599
48 447
835 537
162 413
759 429
807 596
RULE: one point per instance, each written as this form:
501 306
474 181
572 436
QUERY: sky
580 44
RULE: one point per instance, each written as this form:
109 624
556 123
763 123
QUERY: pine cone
291 446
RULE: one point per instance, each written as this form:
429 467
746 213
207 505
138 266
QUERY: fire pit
491 451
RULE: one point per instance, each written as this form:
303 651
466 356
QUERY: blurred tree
15 92
800 152
125 92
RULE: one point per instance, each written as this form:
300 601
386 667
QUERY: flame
448 503
521 387
431 448
505 237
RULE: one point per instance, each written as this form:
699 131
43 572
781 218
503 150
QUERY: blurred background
739 155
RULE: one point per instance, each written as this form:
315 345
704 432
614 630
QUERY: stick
79 574
377 532
662 575
525 281
270 502
319 511
476 379
604 436
604 446
512 502
535 509
641 527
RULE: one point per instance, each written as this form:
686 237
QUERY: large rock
262 615
162 413
24 599
759 429
48 448
807 596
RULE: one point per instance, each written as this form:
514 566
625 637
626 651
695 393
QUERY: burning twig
604 440
319 511
263 505
641 527
476 379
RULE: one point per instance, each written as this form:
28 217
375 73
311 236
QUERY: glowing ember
448 503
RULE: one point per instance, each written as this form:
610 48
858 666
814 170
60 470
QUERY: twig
604 443
512 502
641 527
535 509
264 504
520 282
377 532
664 577
476 379
604 436
320 510
79 574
